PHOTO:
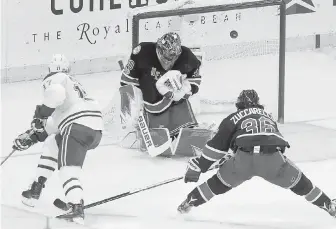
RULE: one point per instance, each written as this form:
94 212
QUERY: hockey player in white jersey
69 123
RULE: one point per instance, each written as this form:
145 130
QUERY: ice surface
110 170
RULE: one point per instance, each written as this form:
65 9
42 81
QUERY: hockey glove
193 170
25 140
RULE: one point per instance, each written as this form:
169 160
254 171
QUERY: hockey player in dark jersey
257 150
167 74
150 61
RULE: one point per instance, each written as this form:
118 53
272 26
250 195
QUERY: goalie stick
65 207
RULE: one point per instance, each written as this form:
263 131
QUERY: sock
48 162
311 193
208 190
46 166
73 190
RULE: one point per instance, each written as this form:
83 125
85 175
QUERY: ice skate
30 196
331 209
76 213
186 205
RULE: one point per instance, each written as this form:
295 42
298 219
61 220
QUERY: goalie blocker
155 131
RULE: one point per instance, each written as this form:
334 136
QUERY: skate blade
29 202
68 223
78 220
183 209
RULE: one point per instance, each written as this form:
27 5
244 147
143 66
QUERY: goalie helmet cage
229 7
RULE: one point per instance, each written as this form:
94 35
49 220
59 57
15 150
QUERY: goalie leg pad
124 108
160 138
121 114
190 142
131 105
179 115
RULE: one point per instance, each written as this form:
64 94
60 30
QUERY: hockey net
241 46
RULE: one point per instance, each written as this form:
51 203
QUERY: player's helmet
59 63
169 47
247 99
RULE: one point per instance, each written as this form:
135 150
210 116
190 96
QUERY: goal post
244 45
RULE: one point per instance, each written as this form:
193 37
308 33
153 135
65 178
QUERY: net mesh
240 50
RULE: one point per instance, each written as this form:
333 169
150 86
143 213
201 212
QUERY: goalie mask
168 48
59 63
247 99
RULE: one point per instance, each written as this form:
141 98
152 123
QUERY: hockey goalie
156 85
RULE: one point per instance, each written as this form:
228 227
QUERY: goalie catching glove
173 85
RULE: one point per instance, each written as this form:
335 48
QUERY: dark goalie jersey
244 130
144 69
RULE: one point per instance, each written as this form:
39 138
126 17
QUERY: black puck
233 34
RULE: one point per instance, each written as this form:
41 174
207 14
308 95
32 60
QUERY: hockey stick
8 156
31 132
64 206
